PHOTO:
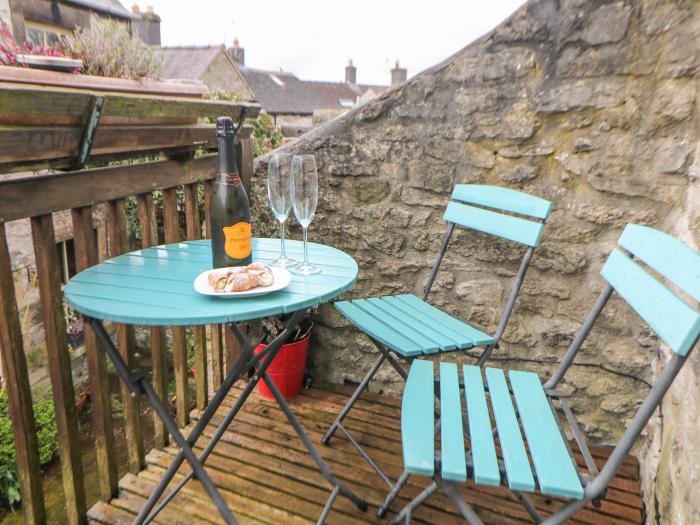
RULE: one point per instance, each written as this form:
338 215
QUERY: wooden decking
266 476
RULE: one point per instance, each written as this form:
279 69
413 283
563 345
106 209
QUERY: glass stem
306 249
284 252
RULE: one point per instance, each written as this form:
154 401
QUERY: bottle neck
227 156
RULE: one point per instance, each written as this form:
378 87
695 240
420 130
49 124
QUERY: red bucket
287 368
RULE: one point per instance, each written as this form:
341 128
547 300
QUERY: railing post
194 231
49 278
86 256
14 371
217 355
149 237
172 234
118 244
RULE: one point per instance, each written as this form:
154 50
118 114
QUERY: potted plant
287 368
103 57
41 57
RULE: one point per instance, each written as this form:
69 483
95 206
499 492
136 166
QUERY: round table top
155 286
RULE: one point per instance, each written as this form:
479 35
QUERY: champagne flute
279 193
304 201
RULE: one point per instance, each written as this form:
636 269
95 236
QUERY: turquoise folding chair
407 327
552 470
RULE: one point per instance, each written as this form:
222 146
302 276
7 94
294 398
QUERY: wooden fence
46 128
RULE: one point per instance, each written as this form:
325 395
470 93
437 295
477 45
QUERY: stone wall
592 104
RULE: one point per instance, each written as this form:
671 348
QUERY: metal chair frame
594 482
387 354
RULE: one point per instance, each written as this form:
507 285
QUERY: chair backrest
673 318
676 322
470 205
509 214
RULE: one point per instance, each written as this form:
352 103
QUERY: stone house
211 65
42 22
298 105
295 105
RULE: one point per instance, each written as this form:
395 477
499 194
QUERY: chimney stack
146 25
350 73
398 75
237 53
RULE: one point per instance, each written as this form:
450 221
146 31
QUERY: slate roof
189 62
281 92
112 7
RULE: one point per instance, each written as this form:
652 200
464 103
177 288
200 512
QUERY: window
276 80
38 34
346 102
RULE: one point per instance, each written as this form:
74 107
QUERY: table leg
138 384
265 359
337 485
245 363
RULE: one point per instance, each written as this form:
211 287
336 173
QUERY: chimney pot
350 73
398 75
149 9
136 9
237 53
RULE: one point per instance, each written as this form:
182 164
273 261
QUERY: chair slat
418 419
454 464
503 199
512 445
667 255
429 346
480 433
486 221
555 469
452 337
441 318
441 341
672 319
378 330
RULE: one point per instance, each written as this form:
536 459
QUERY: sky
315 38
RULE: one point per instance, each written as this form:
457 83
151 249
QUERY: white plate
282 280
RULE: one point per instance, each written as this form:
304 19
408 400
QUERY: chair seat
543 445
410 326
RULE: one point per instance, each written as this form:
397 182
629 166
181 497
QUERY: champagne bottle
231 229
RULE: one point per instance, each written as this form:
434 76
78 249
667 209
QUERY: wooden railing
46 128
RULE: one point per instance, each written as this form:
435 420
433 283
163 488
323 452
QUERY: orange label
239 241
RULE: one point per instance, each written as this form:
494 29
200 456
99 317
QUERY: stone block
480 291
606 24
574 95
371 191
519 173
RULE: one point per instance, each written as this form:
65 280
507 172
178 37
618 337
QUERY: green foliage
47 437
108 50
266 136
191 359
220 94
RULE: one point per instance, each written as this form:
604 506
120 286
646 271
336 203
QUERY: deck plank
266 476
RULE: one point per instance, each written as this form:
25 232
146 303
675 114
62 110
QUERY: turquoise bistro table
154 287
